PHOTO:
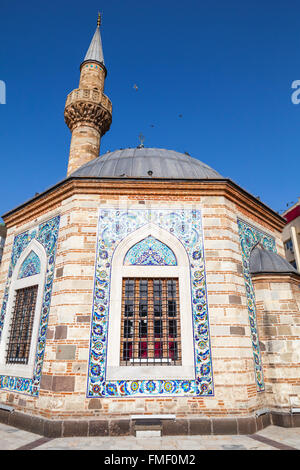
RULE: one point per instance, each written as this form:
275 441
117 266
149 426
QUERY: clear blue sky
225 66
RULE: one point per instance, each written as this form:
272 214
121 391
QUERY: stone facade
63 386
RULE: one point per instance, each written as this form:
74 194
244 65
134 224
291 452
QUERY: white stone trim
24 370
114 371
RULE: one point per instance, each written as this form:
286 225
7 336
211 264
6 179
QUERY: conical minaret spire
95 51
88 111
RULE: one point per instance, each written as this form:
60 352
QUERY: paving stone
234 447
12 438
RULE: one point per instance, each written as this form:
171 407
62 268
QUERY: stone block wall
278 316
64 377
85 145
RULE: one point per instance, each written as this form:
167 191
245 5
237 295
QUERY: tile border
114 225
250 236
46 233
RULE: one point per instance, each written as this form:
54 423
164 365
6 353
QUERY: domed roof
144 162
265 261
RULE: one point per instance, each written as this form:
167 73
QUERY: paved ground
271 438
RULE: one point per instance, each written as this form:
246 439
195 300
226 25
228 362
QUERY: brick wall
64 380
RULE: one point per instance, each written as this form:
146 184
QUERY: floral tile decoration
249 238
114 225
150 252
30 266
46 234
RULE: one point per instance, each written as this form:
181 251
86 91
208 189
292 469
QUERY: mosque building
143 291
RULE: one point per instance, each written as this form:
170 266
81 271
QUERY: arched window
150 332
20 329
150 321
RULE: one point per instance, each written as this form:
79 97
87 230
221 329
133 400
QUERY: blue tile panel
46 234
114 225
30 266
150 252
250 237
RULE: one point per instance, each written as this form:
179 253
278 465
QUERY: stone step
147 422
148 433
148 427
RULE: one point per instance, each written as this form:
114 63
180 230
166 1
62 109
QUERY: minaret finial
95 51
142 140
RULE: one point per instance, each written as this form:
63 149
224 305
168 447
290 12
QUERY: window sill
17 370
149 372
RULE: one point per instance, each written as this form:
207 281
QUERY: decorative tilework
46 234
30 266
114 225
249 238
150 252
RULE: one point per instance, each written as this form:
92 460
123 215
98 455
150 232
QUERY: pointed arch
150 252
154 231
31 266
39 251
180 272
19 283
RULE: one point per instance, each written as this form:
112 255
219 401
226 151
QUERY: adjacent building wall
291 235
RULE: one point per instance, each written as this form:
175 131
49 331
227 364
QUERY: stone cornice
294 278
92 61
109 187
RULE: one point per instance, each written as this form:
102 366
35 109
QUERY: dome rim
151 163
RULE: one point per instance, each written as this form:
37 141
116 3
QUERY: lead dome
146 163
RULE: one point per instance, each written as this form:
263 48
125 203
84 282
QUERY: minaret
88 112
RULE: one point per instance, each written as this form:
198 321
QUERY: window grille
150 330
289 246
21 326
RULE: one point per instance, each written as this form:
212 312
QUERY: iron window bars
21 326
150 329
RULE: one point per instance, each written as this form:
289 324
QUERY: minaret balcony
91 95
90 107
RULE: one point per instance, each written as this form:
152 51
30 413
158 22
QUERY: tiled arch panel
150 252
30 266
46 234
114 225
249 237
